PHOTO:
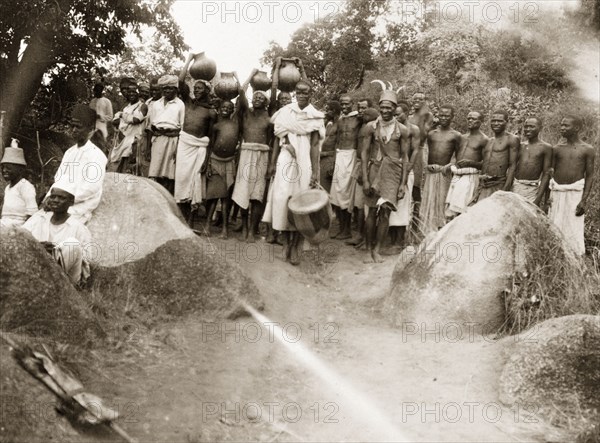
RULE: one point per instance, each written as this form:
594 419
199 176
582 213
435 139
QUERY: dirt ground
321 365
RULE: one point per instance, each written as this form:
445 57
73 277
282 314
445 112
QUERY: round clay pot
260 81
227 88
203 68
289 75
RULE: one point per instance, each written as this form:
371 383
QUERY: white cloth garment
191 153
168 115
131 132
565 199
250 181
19 203
403 214
462 188
104 113
526 188
342 177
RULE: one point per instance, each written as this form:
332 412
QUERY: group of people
392 170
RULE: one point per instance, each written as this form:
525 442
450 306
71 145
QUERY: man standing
533 168
83 165
389 144
251 178
423 118
443 143
103 108
465 174
345 158
573 164
499 159
167 121
299 129
327 164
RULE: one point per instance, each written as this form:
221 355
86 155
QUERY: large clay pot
227 87
289 75
203 68
260 81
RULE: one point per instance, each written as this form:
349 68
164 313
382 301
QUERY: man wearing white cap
167 122
63 236
19 196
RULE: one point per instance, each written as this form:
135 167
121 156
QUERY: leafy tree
67 38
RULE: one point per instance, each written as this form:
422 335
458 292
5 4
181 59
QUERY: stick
39 155
2 132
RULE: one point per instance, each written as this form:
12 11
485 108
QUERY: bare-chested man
573 164
348 126
251 179
327 164
443 143
423 118
533 168
220 173
388 149
193 142
465 174
500 157
362 105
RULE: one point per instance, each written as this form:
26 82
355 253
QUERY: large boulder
136 216
463 273
553 370
36 297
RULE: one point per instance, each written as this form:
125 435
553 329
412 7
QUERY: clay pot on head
260 81
289 75
227 88
203 68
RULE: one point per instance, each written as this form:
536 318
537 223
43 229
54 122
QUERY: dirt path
338 374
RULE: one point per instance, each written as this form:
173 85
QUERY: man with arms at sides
167 121
63 236
389 144
193 144
256 138
333 110
400 219
573 165
465 174
103 108
499 159
533 168
346 143
443 143
83 165
299 129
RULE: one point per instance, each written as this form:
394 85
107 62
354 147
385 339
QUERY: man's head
369 115
130 92
98 90
418 100
83 123
124 83
402 111
332 110
226 109
59 200
144 90
13 163
303 93
169 86
446 115
387 108
155 91
260 100
202 90
283 99
474 120
363 104
346 103
498 121
532 127
570 126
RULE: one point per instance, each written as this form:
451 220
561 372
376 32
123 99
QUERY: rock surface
458 274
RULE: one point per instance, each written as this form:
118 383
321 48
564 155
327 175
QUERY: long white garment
104 113
462 188
526 188
131 132
292 175
342 177
565 199
85 167
403 214
19 203
191 153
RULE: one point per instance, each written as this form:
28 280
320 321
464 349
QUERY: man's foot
392 250
224 235
361 244
376 257
250 238
206 230
294 257
343 236
238 228
355 241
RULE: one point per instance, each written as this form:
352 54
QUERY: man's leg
211 205
225 204
255 215
370 227
71 255
383 223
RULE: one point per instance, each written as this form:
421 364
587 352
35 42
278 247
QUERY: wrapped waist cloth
565 198
390 179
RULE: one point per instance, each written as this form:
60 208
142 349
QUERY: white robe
565 199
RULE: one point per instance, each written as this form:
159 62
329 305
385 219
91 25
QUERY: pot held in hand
203 68
260 81
227 88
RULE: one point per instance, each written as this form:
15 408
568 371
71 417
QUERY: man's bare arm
589 180
404 148
314 156
416 147
364 156
545 175
513 157
183 73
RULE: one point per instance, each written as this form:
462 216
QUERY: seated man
63 236
19 196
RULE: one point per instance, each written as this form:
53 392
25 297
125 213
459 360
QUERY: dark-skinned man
423 118
443 143
573 165
533 167
465 173
499 159
333 110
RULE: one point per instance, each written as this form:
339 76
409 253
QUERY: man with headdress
299 129
19 195
167 121
251 178
63 236
103 108
388 149
190 183
83 165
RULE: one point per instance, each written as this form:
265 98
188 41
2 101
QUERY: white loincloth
342 177
162 162
565 199
433 200
191 153
250 181
462 189
526 188
403 215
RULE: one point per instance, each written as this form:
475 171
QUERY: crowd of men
392 170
